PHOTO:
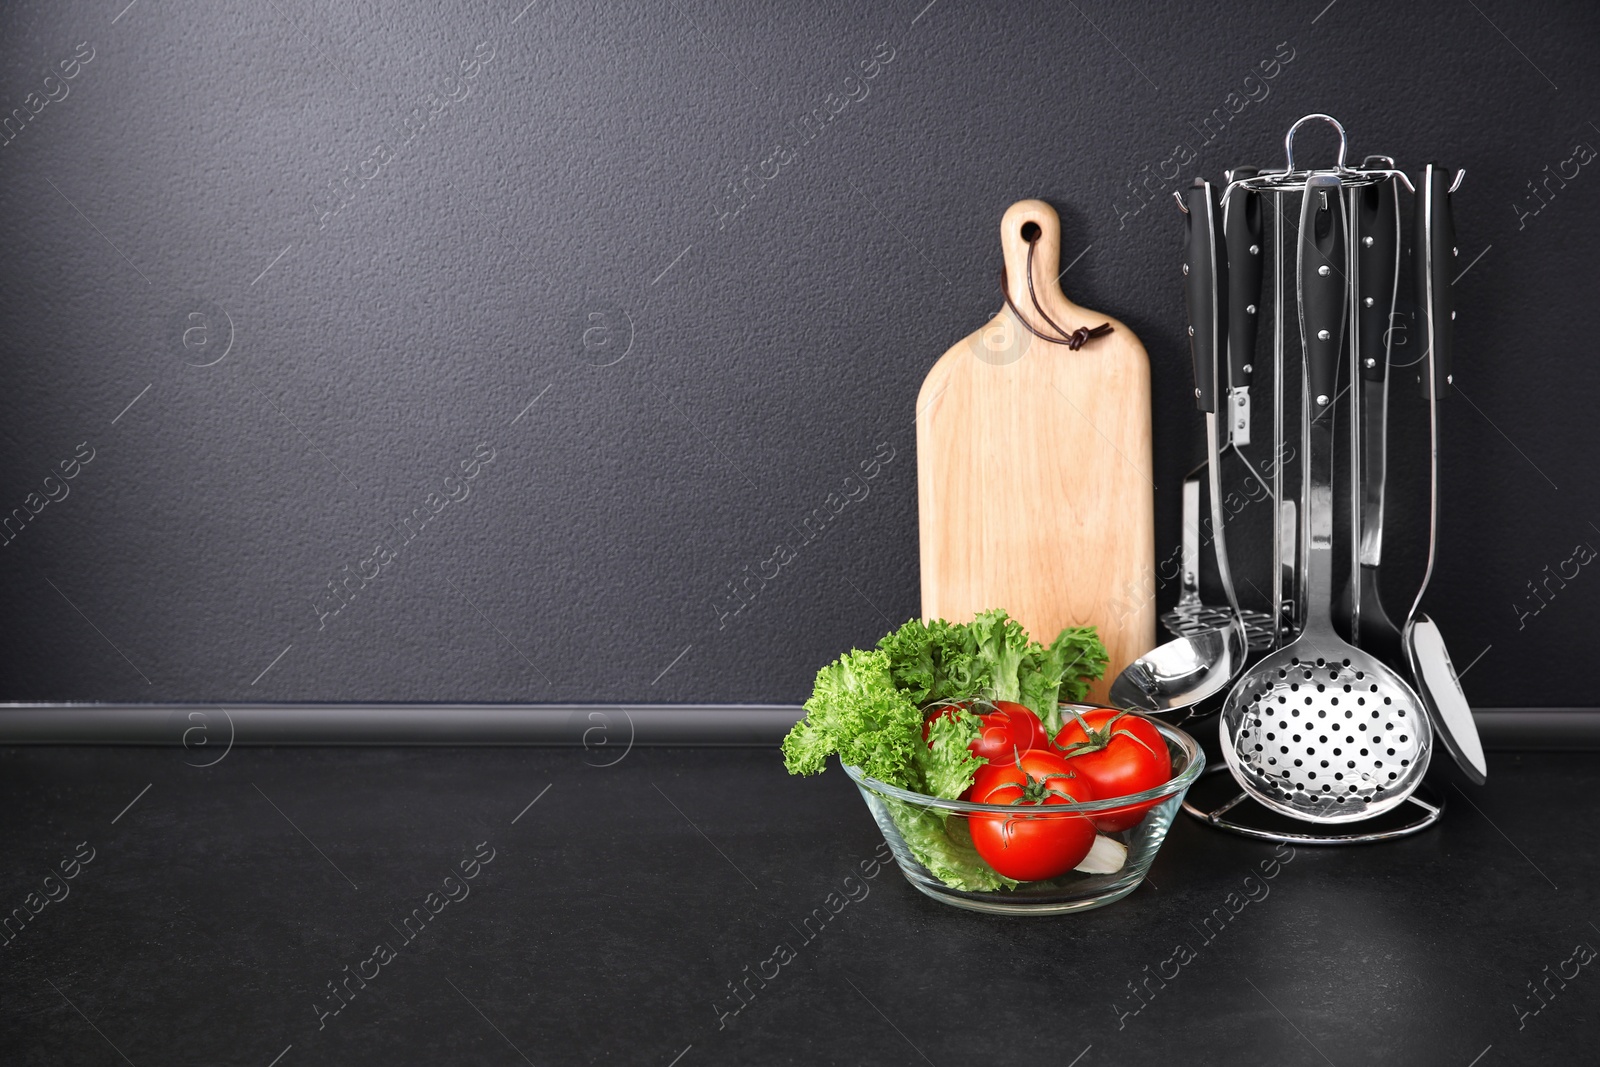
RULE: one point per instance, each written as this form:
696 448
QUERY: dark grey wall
555 267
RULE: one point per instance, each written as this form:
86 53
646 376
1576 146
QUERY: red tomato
1034 843
1117 753
1021 731
1009 728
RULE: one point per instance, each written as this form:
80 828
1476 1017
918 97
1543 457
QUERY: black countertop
212 908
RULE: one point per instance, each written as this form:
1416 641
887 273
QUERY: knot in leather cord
1074 340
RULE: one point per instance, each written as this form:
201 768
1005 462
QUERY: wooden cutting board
1034 485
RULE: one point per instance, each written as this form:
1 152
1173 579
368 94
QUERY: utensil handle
1190 580
1378 229
1242 234
1323 272
1435 252
1204 289
1285 542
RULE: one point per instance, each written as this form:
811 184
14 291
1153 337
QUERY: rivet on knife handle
1322 276
1435 253
1204 290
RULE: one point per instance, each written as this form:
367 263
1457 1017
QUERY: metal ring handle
1288 141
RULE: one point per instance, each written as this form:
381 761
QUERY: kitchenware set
1035 490
1333 722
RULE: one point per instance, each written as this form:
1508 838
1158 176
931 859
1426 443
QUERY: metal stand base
1250 819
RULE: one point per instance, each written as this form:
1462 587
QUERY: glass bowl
933 845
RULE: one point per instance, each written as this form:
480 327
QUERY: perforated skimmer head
1325 740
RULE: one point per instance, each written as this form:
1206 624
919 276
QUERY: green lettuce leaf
1002 645
856 711
945 765
911 659
935 661
944 846
1061 672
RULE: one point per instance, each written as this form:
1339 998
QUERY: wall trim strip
591 725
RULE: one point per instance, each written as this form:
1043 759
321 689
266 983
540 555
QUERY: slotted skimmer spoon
1320 730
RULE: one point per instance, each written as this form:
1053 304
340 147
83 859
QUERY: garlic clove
1106 856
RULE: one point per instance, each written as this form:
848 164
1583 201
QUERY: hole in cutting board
1030 232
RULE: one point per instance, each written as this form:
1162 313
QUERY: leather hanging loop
1074 340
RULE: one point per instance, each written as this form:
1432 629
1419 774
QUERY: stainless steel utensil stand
1273 801
1421 810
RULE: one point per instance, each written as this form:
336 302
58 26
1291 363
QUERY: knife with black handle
1242 230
